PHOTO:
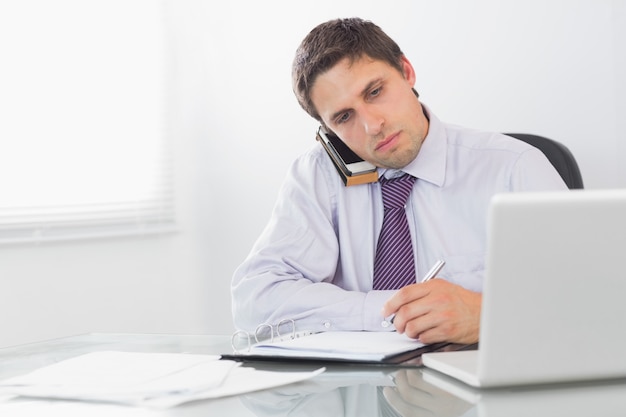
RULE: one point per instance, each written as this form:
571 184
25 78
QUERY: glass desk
343 390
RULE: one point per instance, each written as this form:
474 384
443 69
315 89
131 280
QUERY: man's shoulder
313 158
471 138
485 141
312 167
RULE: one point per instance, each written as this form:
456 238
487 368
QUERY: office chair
558 154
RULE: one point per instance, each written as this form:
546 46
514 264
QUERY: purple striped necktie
394 266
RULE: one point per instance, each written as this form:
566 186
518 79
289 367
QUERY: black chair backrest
558 154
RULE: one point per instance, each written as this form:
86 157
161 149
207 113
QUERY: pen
434 270
432 273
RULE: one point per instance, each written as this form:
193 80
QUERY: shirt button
326 324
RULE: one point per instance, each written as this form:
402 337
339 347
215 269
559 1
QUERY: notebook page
360 346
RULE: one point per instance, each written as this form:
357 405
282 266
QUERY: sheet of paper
150 379
240 381
110 372
371 346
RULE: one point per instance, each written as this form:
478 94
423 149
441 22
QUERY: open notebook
554 292
383 348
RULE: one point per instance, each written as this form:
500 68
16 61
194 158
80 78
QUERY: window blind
84 151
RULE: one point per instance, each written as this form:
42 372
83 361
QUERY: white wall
548 67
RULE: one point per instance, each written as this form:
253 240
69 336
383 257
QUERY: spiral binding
263 329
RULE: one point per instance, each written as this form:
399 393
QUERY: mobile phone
348 161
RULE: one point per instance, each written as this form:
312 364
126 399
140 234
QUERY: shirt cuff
373 320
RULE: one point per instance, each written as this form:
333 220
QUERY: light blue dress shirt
313 263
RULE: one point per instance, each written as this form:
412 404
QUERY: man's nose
373 122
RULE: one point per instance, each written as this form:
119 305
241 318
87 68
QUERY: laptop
554 292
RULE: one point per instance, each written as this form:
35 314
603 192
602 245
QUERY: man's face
371 106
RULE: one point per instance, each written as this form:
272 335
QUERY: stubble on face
400 156
385 122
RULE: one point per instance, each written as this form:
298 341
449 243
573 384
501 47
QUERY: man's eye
343 118
375 92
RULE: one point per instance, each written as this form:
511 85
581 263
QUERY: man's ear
407 70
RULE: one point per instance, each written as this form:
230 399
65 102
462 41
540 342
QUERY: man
314 262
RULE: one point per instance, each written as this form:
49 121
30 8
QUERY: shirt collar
430 163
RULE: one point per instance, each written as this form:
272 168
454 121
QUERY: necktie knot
396 191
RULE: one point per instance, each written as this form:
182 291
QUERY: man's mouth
387 142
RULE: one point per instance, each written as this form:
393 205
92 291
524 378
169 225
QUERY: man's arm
438 310
294 270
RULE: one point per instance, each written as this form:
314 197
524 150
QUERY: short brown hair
332 41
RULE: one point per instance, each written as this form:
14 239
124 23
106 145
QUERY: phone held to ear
351 168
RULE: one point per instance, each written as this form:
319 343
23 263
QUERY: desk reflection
605 398
367 394
359 391
414 397
418 392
